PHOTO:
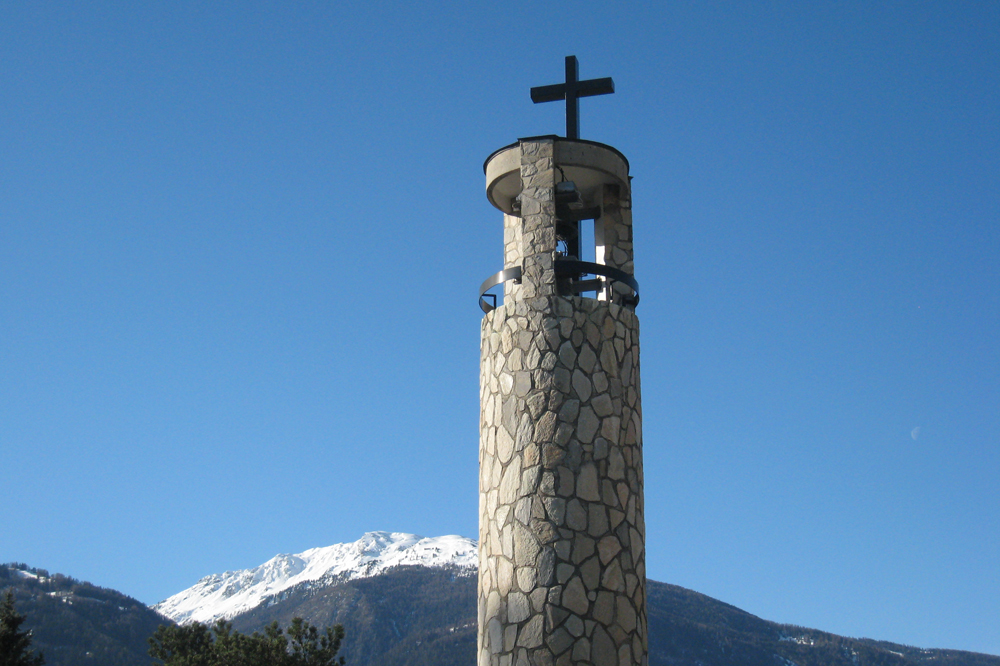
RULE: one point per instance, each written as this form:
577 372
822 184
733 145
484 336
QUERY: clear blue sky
240 245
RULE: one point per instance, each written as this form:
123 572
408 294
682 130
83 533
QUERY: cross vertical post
572 101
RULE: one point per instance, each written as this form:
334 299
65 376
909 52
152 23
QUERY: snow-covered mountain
228 594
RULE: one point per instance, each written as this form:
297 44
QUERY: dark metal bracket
513 273
574 269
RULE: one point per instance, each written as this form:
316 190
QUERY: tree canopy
15 645
198 645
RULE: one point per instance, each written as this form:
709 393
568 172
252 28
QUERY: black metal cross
571 91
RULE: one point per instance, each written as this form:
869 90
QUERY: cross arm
605 86
548 93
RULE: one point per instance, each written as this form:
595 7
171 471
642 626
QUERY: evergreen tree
197 645
309 648
14 643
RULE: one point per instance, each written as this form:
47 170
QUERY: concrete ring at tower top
589 164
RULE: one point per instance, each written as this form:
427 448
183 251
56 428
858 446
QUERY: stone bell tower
562 572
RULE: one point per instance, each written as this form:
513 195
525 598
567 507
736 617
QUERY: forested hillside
413 616
688 628
74 622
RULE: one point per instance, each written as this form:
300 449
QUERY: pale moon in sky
915 432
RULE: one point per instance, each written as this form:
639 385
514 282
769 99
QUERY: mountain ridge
231 593
421 616
390 598
409 601
75 622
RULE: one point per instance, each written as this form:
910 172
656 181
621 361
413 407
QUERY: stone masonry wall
562 566
617 231
562 561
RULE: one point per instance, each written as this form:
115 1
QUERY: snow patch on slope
225 595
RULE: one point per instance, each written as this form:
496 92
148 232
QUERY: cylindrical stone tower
562 571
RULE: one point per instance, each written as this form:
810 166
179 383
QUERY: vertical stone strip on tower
561 550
